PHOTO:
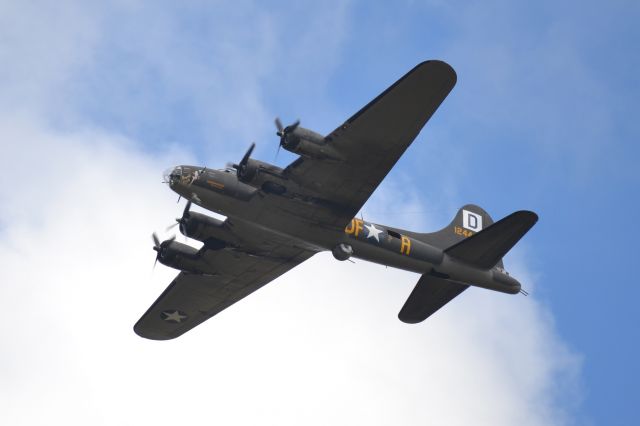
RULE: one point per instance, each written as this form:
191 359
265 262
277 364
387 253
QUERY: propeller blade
181 220
279 126
157 248
185 213
183 228
278 151
243 163
245 159
292 127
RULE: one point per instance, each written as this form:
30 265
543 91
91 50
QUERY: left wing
192 299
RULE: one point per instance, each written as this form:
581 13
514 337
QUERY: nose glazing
172 174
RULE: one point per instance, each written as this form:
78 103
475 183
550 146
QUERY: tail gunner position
277 218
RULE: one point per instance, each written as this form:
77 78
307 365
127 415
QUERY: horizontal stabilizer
430 294
486 248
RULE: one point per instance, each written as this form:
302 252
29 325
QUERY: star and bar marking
356 226
373 232
173 315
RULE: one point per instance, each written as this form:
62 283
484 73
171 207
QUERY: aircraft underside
277 218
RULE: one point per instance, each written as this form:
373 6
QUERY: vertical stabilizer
469 220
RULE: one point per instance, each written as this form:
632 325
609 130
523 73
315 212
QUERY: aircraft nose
172 175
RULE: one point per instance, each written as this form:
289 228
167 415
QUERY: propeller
284 131
158 246
182 221
242 166
156 241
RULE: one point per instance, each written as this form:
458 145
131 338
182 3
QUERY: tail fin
473 238
487 248
469 220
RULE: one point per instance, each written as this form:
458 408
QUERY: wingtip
529 215
146 334
409 320
442 66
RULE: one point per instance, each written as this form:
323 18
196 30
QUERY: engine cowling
308 143
197 225
181 256
249 171
209 230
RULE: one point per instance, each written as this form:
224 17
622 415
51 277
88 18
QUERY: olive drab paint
276 218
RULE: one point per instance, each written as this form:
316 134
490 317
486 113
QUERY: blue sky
543 118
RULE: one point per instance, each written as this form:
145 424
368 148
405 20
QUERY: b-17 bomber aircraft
278 218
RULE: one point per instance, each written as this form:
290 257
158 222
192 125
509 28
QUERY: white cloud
41 45
187 74
321 345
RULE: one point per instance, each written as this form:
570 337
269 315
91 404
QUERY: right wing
372 141
191 299
430 294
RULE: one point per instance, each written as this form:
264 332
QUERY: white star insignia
174 316
373 232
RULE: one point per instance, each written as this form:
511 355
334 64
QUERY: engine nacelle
249 171
255 172
195 225
308 143
211 231
181 256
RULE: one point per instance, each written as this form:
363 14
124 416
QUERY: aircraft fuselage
222 192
